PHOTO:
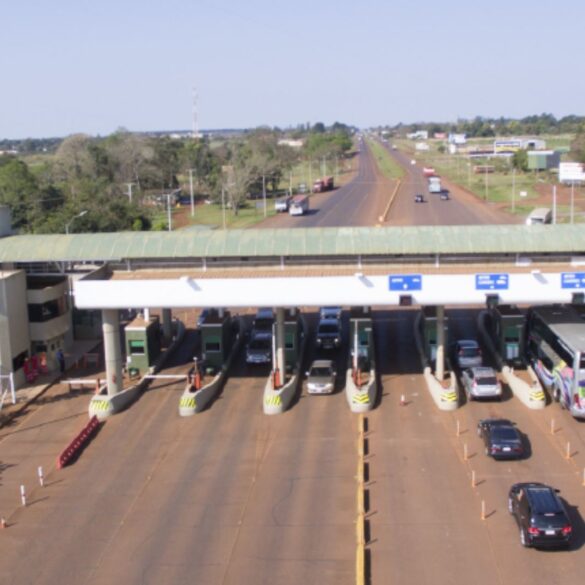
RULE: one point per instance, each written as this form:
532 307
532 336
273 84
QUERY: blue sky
71 66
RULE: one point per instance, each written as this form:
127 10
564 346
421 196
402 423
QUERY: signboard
572 279
489 281
571 172
402 282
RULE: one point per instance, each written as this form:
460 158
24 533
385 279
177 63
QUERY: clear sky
93 66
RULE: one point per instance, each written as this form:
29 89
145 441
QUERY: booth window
136 347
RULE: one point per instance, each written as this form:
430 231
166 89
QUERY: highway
231 496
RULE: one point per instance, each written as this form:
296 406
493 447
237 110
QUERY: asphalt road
359 203
232 496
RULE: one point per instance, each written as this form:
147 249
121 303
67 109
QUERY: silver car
481 383
321 377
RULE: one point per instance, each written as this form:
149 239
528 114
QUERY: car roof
264 313
329 321
467 343
482 371
543 499
261 334
497 422
322 364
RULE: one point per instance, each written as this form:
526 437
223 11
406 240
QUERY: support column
280 362
167 324
440 362
146 314
112 351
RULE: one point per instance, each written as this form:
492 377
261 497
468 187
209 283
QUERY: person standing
61 359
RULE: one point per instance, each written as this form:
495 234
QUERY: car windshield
320 372
326 328
260 343
263 324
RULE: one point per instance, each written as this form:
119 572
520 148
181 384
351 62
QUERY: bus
555 347
299 205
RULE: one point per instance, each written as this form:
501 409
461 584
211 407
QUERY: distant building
457 139
421 146
542 160
419 135
440 135
290 142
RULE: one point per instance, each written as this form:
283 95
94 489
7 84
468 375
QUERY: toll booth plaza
217 337
292 339
507 323
429 331
143 344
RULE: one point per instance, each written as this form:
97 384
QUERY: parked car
329 333
467 353
540 514
259 349
481 382
330 313
501 438
321 377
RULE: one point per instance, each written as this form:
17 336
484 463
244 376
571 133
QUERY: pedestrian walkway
76 365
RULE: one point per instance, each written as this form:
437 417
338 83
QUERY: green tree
520 160
18 190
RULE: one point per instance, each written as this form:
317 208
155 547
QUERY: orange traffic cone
402 400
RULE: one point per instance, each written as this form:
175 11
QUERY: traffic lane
425 523
175 501
462 208
546 464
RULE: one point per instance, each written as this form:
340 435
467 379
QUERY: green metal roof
411 240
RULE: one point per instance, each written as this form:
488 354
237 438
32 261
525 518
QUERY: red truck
428 171
324 184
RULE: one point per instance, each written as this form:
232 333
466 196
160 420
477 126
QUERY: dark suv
540 515
329 333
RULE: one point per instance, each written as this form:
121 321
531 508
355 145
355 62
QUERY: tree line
114 178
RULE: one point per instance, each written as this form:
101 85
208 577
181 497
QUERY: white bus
299 205
555 347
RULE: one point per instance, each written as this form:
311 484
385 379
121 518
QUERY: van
540 215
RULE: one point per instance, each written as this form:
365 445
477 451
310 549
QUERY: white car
321 377
481 382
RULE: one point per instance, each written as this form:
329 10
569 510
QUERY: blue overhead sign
492 281
402 282
572 279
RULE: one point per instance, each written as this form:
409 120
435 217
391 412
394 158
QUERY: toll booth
361 338
507 331
292 339
429 331
217 336
143 344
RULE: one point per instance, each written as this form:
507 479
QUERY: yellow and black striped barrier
449 396
188 402
537 396
361 398
274 400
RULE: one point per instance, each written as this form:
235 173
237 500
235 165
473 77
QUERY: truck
435 185
324 184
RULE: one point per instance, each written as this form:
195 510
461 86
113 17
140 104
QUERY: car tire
524 538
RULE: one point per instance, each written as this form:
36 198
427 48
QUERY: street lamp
80 214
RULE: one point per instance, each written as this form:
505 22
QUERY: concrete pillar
167 324
440 363
112 350
221 312
280 363
147 315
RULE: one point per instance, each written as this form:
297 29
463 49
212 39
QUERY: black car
540 515
419 198
501 438
329 333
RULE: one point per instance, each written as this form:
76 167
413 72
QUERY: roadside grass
387 165
211 215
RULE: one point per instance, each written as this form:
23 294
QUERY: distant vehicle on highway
481 382
540 514
299 205
501 438
541 215
467 353
435 185
419 198
321 377
444 194
282 203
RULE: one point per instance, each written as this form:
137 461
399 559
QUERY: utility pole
572 201
191 188
513 189
554 193
169 212
130 185
486 182
264 193
223 204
